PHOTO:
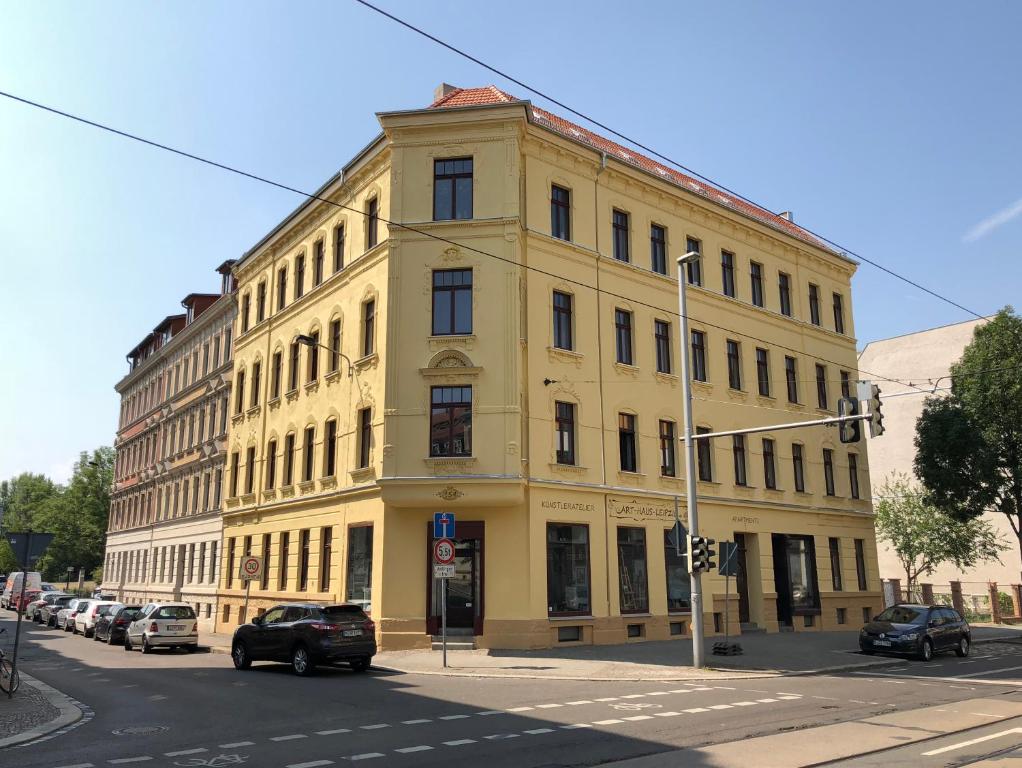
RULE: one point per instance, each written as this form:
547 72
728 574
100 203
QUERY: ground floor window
679 581
631 561
360 565
567 569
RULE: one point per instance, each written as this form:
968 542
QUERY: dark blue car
916 630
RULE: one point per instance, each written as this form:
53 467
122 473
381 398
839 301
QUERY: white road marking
580 701
537 731
519 709
77 765
290 737
459 742
186 752
157 697
419 748
313 764
857 701
484 713
826 698
989 672
634 696
548 706
374 726
667 714
611 721
969 743
122 760
419 721
985 714
681 690
234 744
723 688
573 726
606 698
720 706
662 693
498 736
767 701
452 717
333 731
635 718
744 704
366 756
696 709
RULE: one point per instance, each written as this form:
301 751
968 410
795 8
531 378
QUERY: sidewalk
36 710
764 655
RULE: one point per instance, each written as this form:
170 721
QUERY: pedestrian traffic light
701 554
849 430
876 418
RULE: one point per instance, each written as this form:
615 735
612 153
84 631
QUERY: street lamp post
309 341
690 460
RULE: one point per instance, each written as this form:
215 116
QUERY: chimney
788 216
444 89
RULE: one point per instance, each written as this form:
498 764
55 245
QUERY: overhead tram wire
424 233
665 158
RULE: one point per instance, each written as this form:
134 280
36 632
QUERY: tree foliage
969 444
924 537
76 514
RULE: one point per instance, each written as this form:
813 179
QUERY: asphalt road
175 709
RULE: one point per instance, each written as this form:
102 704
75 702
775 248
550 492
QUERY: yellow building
513 359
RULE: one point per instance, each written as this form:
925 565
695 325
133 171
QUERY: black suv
110 627
307 634
916 630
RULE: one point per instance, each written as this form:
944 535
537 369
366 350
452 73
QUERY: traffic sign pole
443 617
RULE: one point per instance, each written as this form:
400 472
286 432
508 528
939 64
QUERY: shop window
631 557
567 569
679 580
359 580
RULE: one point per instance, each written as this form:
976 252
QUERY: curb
69 713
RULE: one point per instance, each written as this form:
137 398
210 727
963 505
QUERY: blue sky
891 128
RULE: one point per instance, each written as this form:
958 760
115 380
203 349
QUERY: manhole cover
139 730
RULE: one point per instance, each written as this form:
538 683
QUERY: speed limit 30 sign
443 558
251 568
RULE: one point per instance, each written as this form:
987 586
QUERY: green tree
78 517
969 444
924 537
22 498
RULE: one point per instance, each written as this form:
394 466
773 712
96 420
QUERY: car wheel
127 643
926 651
146 648
301 661
360 665
191 648
74 628
240 657
110 639
962 649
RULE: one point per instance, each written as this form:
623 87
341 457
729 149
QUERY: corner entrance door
465 589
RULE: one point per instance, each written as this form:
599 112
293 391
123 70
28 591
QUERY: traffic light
876 418
849 430
701 554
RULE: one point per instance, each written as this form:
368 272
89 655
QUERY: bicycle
9 678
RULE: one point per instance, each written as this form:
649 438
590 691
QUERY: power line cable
424 233
640 145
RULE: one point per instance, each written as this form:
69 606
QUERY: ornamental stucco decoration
449 493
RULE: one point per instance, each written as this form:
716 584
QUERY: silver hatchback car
163 625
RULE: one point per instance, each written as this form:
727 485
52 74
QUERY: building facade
508 351
164 536
923 359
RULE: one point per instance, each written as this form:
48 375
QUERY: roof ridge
491 94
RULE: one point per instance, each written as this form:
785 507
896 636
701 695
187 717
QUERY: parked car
85 621
113 621
18 602
307 634
917 630
66 616
163 625
34 608
12 586
48 612
47 587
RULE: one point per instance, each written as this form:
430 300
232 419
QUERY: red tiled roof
470 97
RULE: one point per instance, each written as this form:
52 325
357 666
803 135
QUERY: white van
12 589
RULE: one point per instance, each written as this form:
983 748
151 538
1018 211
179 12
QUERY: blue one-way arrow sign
443 525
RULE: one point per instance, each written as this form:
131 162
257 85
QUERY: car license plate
175 627
885 643
353 633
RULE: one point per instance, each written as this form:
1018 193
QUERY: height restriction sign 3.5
251 568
